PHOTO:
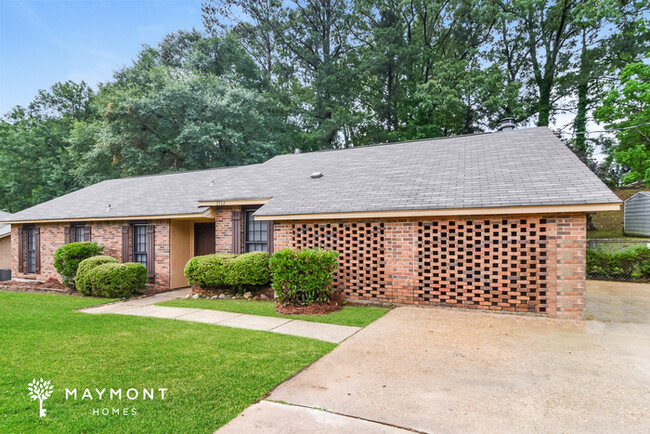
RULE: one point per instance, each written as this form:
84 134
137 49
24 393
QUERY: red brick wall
515 263
223 228
107 234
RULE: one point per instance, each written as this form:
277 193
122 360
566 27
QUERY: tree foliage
269 76
627 109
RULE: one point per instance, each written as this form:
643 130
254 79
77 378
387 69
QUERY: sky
45 41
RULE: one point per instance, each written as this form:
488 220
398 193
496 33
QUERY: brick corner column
401 242
570 266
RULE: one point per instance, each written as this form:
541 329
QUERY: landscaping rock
214 297
227 297
248 295
195 296
188 296
263 297
222 296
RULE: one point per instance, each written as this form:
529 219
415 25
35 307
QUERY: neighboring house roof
4 229
640 193
528 167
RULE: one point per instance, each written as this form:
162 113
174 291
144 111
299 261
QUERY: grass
358 316
212 373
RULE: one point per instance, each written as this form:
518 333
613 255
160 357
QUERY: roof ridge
406 142
153 175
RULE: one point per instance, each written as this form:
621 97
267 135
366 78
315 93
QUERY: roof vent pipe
507 124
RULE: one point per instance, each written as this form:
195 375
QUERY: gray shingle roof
513 168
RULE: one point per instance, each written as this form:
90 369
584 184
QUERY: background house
637 215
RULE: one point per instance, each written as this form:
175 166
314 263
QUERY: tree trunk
580 122
544 104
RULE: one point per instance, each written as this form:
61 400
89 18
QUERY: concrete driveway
444 370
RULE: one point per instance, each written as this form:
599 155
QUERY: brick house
488 221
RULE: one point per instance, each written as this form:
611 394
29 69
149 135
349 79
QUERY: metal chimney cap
507 124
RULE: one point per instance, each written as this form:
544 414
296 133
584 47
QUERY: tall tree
626 110
544 33
314 43
35 163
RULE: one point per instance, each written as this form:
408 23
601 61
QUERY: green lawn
212 373
359 316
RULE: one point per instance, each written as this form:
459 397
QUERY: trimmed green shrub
303 277
631 264
83 272
118 280
68 257
248 270
209 271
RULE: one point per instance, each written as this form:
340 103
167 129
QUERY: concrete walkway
145 307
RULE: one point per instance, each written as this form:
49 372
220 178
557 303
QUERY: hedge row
630 264
68 257
226 271
104 276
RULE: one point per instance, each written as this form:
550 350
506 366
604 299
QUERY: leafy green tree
613 35
175 120
35 164
312 41
537 41
627 109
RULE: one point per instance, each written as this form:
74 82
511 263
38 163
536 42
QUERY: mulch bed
336 303
50 285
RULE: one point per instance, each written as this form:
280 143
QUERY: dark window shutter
125 244
236 232
87 236
151 248
37 249
67 235
269 237
21 250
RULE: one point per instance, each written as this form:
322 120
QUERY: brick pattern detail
107 234
361 272
495 264
515 263
223 229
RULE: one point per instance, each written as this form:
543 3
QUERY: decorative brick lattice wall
362 247
496 263
533 263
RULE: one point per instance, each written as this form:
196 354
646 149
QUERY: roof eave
201 214
540 209
234 202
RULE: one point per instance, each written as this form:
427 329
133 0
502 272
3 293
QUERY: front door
203 239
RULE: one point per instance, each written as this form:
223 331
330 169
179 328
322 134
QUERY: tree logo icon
40 390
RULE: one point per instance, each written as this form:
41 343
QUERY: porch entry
204 241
